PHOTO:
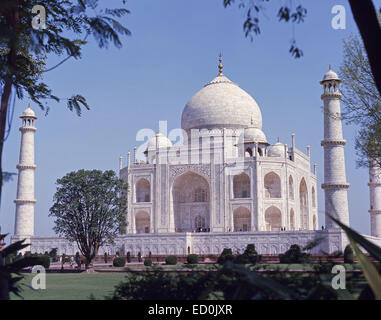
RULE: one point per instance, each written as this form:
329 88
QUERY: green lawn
71 286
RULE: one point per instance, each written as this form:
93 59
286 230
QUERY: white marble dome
252 135
162 142
330 75
221 104
277 150
29 113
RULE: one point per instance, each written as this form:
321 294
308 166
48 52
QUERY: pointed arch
291 188
272 185
241 186
143 190
273 219
303 198
190 198
313 195
241 219
142 222
292 219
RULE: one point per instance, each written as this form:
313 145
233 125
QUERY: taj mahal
224 186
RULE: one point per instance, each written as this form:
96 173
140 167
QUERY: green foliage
24 53
250 256
226 255
370 271
89 205
147 262
294 255
42 259
362 100
11 265
53 254
139 257
286 13
24 50
105 257
172 260
128 257
63 260
78 259
233 281
192 259
119 262
348 254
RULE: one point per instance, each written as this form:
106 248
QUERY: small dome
162 142
330 75
28 112
252 135
277 150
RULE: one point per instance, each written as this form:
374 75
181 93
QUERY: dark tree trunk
3 123
367 22
12 18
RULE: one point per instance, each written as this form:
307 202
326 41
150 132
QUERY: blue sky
172 53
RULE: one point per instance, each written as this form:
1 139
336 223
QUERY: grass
82 286
78 286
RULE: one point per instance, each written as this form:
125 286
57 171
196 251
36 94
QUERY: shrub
192 259
128 257
171 260
294 255
77 258
105 257
139 257
63 259
147 262
43 260
53 254
84 260
119 262
348 254
226 255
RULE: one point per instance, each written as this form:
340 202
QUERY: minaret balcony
334 94
21 201
26 166
22 129
333 142
344 185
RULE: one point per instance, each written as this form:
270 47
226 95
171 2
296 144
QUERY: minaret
335 182
24 218
375 198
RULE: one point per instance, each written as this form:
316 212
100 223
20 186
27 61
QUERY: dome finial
220 66
330 67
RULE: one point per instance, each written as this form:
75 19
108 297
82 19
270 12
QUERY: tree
89 209
364 14
24 50
362 101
